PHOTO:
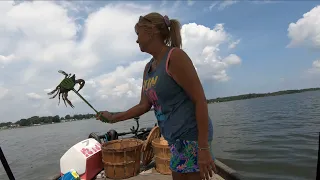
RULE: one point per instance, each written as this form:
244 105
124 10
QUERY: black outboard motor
95 136
112 135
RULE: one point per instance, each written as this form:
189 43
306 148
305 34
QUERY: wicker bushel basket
121 158
162 155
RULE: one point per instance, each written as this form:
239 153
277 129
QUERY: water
265 138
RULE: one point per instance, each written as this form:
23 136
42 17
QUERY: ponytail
175 33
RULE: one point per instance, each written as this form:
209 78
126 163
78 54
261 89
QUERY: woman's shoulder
178 57
177 51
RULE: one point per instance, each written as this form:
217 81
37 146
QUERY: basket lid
147 148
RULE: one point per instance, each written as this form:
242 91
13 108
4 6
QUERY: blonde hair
169 31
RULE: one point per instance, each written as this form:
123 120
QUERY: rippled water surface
263 138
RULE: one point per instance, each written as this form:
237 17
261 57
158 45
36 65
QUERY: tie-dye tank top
173 108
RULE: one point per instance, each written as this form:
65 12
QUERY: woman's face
143 39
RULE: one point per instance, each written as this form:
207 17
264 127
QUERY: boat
224 173
147 171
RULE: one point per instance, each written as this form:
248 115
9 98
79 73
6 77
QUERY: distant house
14 125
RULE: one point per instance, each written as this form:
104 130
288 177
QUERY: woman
171 85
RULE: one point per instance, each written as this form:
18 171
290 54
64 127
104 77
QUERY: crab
66 85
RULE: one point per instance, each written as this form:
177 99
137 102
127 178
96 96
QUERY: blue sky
267 64
237 47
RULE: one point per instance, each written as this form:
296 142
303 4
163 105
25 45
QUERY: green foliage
254 95
36 120
6 124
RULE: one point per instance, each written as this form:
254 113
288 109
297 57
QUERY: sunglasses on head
143 18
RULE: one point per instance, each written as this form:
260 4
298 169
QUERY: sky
237 47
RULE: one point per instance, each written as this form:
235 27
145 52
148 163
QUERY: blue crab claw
62 72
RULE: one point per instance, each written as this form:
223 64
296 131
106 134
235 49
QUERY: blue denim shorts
184 156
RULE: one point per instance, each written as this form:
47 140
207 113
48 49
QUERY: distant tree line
34 120
254 95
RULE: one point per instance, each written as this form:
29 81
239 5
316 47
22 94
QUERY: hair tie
167 20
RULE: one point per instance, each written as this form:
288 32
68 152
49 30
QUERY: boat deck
151 174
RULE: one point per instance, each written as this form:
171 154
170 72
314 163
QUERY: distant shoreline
38 121
259 95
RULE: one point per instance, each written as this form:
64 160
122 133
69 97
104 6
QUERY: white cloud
122 82
265 2
214 4
34 96
202 44
234 44
316 64
232 59
100 48
306 31
191 3
163 3
226 3
3 92
315 69
7 59
176 4
221 5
